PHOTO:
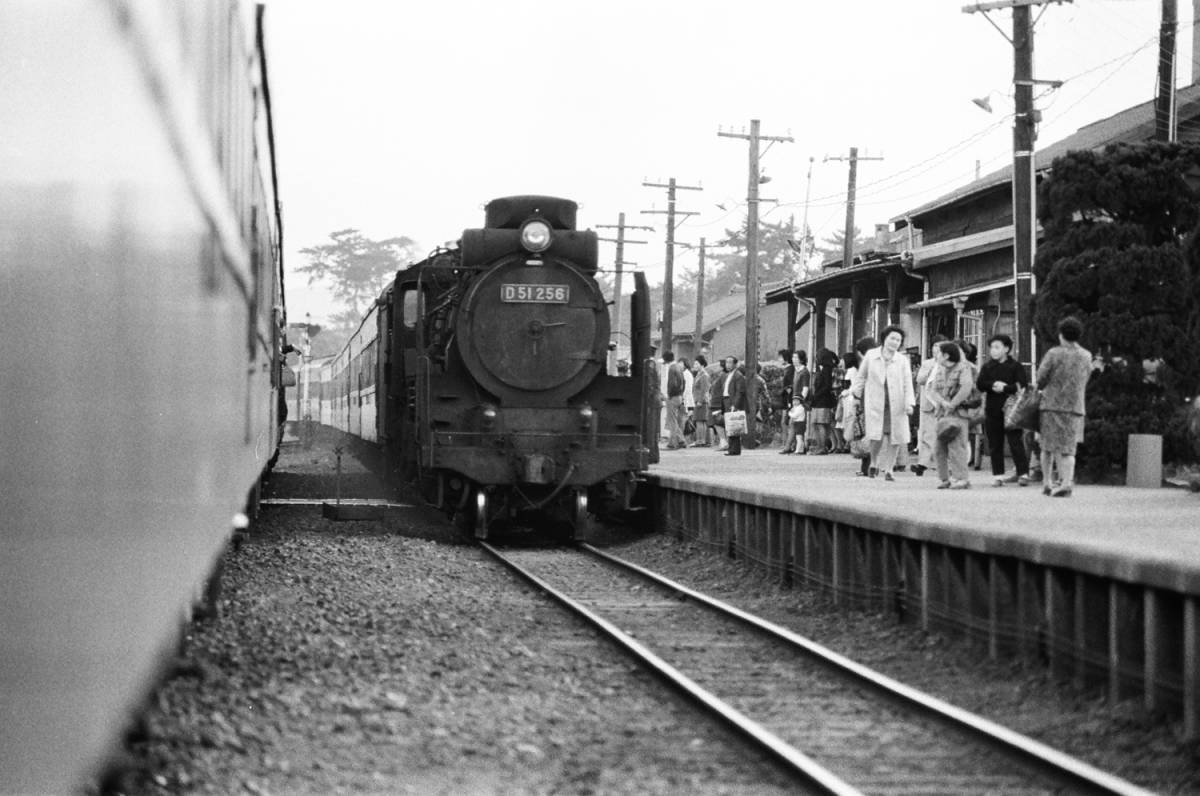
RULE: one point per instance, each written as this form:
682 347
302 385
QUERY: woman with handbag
1062 378
884 384
1000 380
950 386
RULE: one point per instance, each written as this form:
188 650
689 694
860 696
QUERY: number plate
535 294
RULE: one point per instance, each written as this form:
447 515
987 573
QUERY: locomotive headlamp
535 236
487 413
586 413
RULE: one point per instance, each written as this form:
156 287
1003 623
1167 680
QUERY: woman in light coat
884 385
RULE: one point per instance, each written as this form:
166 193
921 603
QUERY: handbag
689 426
735 423
948 430
1025 411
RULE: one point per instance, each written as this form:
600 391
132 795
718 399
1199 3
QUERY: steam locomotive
482 374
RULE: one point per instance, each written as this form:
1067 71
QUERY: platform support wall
1136 641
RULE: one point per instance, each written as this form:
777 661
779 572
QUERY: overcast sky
401 117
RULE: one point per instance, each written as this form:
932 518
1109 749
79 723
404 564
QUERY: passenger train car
481 372
142 304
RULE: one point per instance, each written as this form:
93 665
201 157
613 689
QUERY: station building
945 267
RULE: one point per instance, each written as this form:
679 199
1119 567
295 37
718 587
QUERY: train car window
408 312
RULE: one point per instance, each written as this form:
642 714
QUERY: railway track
837 726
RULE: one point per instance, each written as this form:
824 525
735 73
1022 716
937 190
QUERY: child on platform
799 417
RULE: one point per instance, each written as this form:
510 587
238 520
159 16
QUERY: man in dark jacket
734 400
785 397
1000 377
716 400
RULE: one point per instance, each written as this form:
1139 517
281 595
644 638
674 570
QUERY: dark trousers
735 443
993 427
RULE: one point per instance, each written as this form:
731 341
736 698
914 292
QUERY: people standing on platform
785 396
762 402
1000 377
734 400
689 401
970 353
847 404
951 384
861 348
701 384
824 400
675 385
800 388
1062 378
927 422
798 418
884 384
716 399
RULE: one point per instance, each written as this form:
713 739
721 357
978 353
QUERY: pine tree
1120 253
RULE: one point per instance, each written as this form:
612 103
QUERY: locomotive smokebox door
539 469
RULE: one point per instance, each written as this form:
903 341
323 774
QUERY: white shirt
689 380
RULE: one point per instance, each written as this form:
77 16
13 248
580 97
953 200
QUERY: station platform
1103 586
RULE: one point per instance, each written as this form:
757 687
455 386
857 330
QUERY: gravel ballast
394 657
390 657
1122 739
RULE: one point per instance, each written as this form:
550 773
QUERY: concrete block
1144 461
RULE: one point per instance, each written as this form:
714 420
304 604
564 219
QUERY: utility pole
807 242
620 263
1164 106
698 339
752 199
698 336
1024 178
668 278
851 194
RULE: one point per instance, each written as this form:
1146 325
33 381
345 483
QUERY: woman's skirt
1061 431
820 416
700 413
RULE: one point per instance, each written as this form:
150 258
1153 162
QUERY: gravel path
1122 739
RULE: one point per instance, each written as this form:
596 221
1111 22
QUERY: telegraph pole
699 333
620 263
1164 106
1024 178
668 341
851 194
699 336
806 246
752 199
